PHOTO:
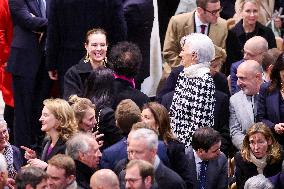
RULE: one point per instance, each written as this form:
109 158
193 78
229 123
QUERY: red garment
6 33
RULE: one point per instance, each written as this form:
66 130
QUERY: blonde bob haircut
80 106
243 2
63 112
274 149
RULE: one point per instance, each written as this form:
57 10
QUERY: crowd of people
75 117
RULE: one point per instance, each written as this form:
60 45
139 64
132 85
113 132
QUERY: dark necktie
203 27
202 175
41 4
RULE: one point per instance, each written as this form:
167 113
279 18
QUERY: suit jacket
241 117
217 171
184 24
221 116
245 170
69 21
17 158
139 16
27 45
59 148
234 78
268 108
118 151
167 178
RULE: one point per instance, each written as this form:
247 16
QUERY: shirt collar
198 22
196 157
156 162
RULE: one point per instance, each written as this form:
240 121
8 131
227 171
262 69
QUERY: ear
148 181
199 10
70 179
86 45
269 141
80 155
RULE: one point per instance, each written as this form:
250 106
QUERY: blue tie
202 175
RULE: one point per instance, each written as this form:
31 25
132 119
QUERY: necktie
41 4
202 175
203 27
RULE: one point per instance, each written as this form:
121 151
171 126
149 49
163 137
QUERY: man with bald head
243 103
254 49
104 179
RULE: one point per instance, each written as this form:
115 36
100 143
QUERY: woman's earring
87 58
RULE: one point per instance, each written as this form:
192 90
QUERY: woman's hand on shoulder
37 163
29 153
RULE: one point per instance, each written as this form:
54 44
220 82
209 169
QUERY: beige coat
182 25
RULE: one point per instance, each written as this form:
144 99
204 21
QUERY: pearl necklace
282 87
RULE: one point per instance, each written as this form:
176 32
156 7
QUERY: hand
98 137
37 163
11 183
279 128
29 153
53 75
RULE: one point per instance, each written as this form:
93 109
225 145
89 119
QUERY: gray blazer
217 171
241 117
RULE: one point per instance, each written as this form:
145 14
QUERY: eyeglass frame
214 12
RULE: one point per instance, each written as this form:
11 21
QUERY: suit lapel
246 107
190 27
193 172
273 102
34 7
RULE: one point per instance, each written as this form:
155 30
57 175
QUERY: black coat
75 77
69 22
83 174
123 90
260 30
245 170
59 148
139 15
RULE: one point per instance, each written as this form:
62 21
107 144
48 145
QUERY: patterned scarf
8 154
259 163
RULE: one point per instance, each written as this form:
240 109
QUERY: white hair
202 45
149 135
3 163
258 182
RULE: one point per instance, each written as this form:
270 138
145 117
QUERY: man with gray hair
243 104
258 182
254 49
84 149
3 172
143 144
104 179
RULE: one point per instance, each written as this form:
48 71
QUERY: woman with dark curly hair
270 108
96 46
59 123
124 59
260 154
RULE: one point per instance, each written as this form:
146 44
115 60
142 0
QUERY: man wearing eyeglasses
205 19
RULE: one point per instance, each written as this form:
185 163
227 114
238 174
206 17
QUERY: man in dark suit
30 79
208 165
139 16
143 144
69 22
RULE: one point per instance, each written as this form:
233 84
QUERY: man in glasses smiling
205 19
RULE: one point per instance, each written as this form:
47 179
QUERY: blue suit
217 171
30 79
234 78
113 154
268 110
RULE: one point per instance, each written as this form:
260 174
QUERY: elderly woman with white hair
193 101
11 153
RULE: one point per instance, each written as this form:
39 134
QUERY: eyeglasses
131 181
214 12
